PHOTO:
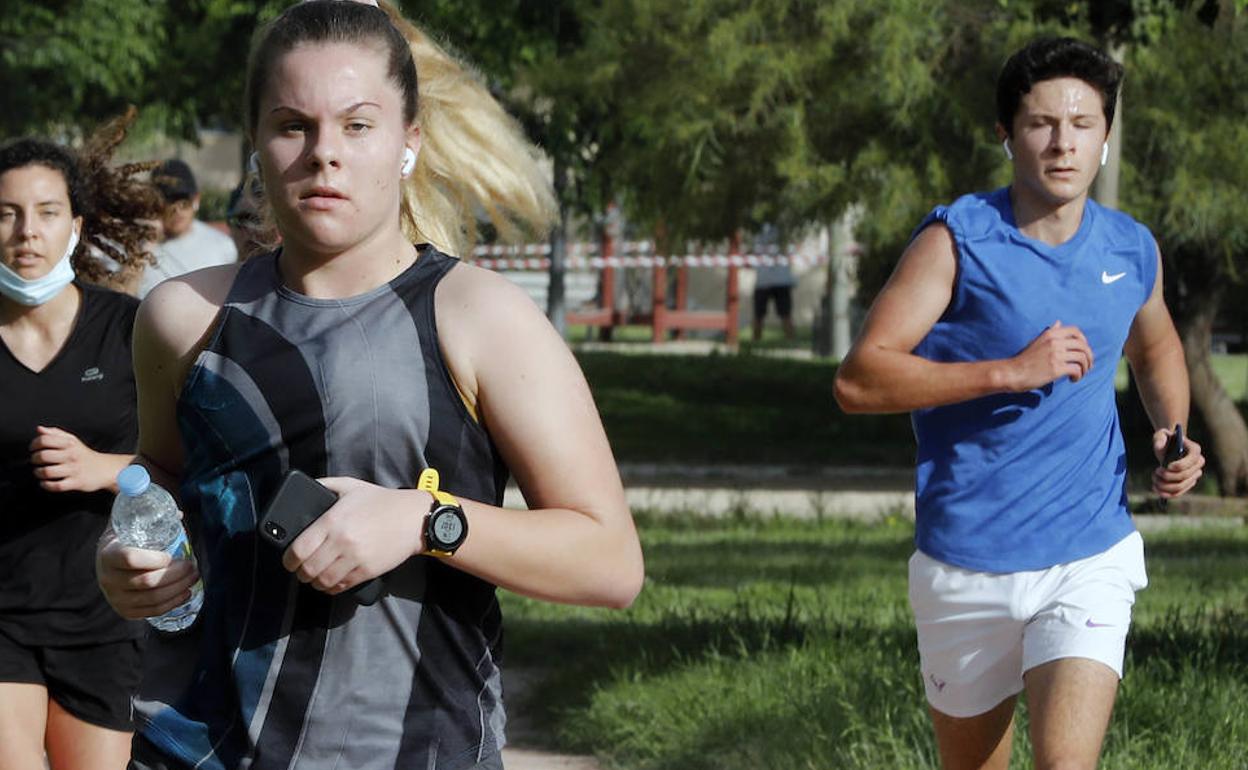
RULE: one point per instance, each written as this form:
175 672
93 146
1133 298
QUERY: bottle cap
133 480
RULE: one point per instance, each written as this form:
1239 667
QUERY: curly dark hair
116 208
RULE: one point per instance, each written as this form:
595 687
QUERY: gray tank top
276 674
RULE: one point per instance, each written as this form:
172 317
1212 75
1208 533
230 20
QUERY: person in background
772 284
247 228
68 663
187 244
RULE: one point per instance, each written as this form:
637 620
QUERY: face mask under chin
36 291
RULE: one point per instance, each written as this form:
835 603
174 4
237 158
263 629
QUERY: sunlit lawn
1232 370
787 644
759 409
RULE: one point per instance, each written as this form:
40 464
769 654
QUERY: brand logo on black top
93 374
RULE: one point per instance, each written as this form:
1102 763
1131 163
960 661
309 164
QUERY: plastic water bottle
146 516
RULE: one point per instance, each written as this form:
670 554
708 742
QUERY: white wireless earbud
253 164
409 162
1104 153
1005 145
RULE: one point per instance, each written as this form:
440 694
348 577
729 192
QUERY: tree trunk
556 306
1105 188
1227 443
824 321
839 259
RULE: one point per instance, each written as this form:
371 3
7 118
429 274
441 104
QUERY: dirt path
536 759
524 739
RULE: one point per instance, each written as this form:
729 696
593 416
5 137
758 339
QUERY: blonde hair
474 157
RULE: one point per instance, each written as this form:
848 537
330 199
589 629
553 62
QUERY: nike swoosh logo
1093 624
1107 278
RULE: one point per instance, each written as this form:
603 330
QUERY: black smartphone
1174 446
299 501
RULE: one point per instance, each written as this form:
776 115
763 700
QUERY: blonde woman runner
355 356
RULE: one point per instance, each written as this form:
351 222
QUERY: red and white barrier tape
576 248
580 262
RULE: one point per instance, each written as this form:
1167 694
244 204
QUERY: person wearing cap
188 244
246 222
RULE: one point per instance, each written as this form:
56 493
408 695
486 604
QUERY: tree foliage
710 115
68 64
1188 178
728 113
1188 173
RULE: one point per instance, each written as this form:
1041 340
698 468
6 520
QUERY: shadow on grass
814 597
1200 637
868 714
1219 545
580 656
729 563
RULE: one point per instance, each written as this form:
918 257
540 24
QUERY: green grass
1232 370
788 644
761 409
735 409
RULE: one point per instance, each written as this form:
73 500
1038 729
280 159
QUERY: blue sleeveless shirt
1022 481
276 674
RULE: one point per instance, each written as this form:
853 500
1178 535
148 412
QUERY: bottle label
180 548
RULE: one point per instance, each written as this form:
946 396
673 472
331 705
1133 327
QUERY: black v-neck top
48 592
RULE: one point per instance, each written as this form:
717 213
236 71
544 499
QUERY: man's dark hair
1048 58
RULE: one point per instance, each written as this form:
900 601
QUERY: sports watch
446 527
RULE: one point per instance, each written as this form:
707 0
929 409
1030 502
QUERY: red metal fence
661 318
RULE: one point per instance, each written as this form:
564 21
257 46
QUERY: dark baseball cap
175 180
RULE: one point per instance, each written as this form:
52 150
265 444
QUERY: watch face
447 527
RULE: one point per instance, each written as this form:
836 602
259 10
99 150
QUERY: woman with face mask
68 663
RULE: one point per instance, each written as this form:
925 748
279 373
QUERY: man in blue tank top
1000 331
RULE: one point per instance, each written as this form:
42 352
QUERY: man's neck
1046 221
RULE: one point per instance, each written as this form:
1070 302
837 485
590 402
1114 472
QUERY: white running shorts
980 631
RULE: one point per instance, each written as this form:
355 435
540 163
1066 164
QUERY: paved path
536 759
866 494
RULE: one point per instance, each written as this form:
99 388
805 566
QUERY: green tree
722 113
940 142
1187 177
67 65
